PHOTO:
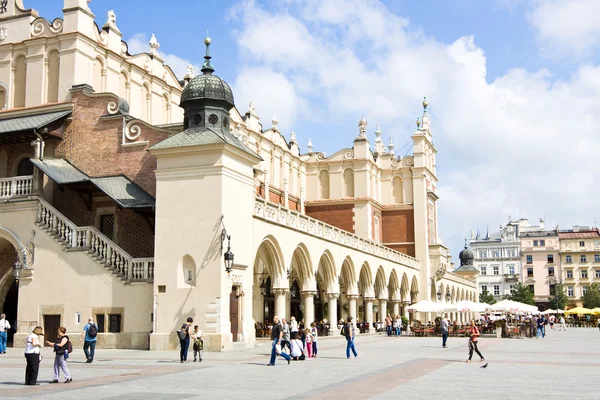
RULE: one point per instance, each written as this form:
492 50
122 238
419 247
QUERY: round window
213 119
197 119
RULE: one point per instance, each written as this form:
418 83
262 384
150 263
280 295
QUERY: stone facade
580 260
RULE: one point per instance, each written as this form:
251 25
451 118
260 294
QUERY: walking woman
348 331
32 355
474 337
61 354
184 340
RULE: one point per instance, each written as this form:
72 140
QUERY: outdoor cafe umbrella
579 311
425 306
596 310
512 306
470 306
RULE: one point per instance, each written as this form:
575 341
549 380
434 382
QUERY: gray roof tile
124 192
36 121
59 170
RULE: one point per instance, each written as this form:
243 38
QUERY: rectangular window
114 323
597 273
552 290
583 258
568 259
550 271
596 257
532 288
511 269
542 242
511 287
100 322
482 253
584 290
496 270
496 290
483 270
495 253
550 258
529 272
569 274
570 291
107 225
584 273
529 259
483 288
536 243
581 244
78 318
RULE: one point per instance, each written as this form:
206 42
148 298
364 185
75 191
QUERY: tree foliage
591 298
485 297
522 294
560 299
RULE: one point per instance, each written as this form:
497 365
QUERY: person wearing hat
32 355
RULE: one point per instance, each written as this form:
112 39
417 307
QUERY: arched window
348 183
25 168
2 99
146 97
20 74
324 184
398 195
166 109
52 76
187 271
123 86
98 75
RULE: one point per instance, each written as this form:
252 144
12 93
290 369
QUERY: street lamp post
17 267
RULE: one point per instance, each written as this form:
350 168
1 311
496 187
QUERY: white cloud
567 28
522 145
138 43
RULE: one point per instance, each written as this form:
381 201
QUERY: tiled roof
126 193
579 235
202 136
59 170
29 122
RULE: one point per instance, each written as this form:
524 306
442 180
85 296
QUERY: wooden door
234 313
51 325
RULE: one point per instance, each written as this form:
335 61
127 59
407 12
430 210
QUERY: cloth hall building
123 188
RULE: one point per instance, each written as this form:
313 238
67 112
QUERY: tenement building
580 259
141 199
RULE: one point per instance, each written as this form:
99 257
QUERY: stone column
382 310
405 305
333 313
280 294
352 306
396 308
369 313
309 307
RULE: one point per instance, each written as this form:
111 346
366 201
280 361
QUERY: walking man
540 328
276 335
4 327
348 331
90 331
562 323
444 330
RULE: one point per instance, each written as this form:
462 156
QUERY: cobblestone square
563 365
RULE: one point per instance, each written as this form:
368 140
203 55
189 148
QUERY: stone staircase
100 248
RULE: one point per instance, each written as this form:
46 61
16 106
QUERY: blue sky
513 86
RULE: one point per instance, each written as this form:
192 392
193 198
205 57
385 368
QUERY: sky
513 87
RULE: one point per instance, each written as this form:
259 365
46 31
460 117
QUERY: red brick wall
94 145
340 215
404 248
72 206
135 234
398 226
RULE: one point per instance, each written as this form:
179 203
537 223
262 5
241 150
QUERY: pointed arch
301 266
404 288
394 286
348 182
326 272
269 261
365 276
347 274
414 289
381 283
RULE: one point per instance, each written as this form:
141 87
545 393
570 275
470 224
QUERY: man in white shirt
4 327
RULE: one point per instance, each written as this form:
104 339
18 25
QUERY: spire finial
466 243
425 104
418 123
207 67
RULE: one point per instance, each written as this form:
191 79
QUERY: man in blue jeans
89 334
540 328
349 333
276 334
4 327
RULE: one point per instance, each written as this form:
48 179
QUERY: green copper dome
207 86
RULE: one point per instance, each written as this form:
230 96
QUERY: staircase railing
16 186
100 247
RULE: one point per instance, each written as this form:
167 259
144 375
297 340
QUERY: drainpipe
39 144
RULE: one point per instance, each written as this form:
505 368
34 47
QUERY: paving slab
563 365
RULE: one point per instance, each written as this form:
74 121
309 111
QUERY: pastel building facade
580 260
541 261
133 185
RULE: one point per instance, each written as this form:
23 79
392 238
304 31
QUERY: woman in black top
61 354
185 342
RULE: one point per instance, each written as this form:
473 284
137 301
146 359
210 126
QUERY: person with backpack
348 332
184 335
89 335
62 349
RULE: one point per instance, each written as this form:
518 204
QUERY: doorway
11 304
51 325
234 315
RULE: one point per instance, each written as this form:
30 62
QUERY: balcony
511 277
15 186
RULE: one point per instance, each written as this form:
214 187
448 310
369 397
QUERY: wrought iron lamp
17 270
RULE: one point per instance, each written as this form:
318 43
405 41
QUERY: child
309 342
314 332
198 343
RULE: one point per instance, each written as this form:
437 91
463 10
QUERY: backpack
92 331
69 346
343 330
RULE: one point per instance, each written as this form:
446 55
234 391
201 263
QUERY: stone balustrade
16 186
101 249
283 216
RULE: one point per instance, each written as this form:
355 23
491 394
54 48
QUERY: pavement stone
563 365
